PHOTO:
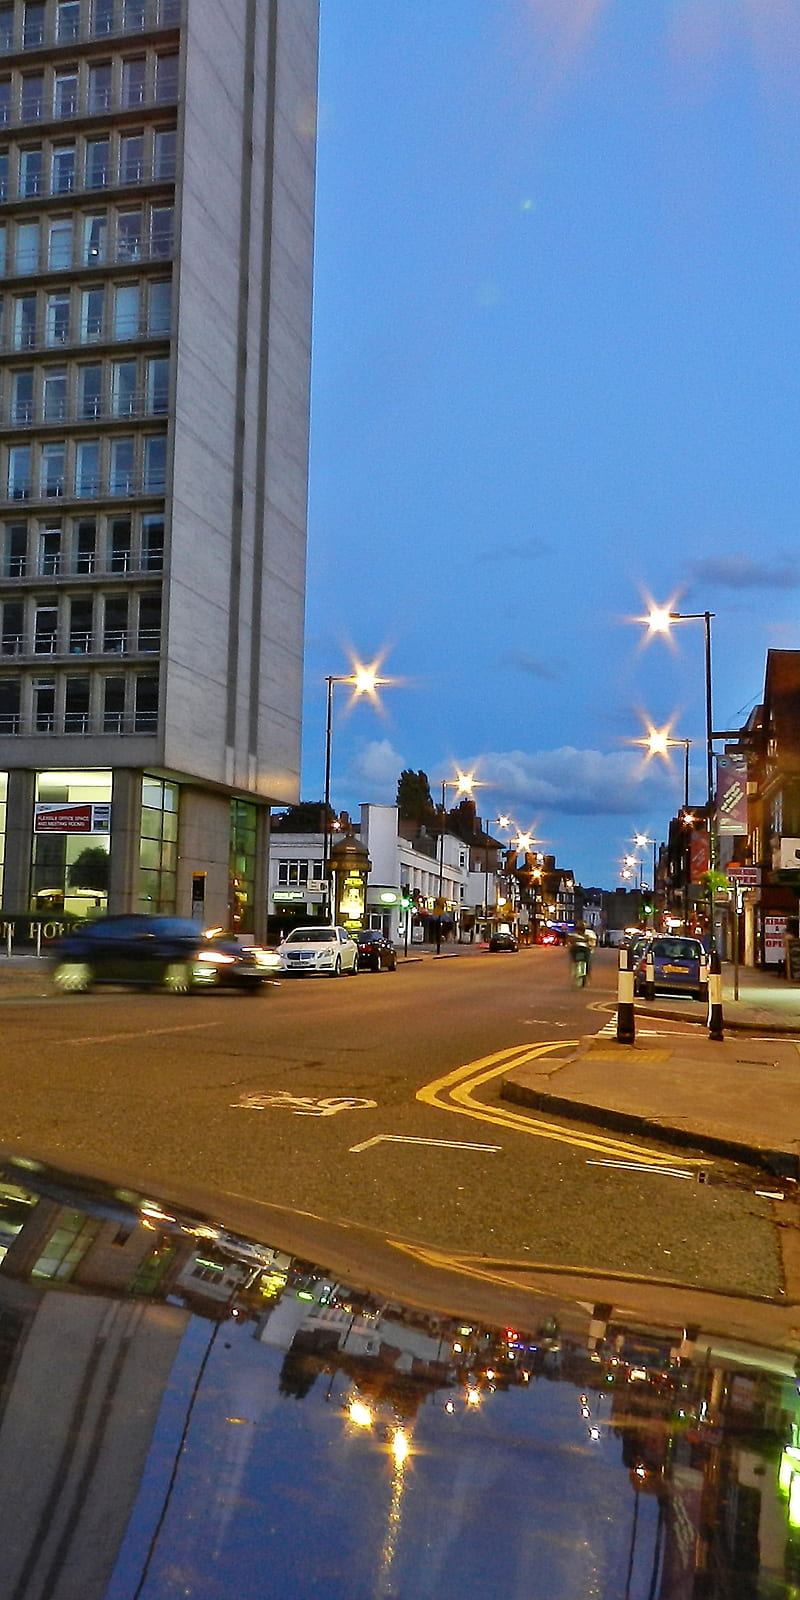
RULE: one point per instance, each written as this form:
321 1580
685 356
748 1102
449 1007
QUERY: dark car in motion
502 939
375 951
165 952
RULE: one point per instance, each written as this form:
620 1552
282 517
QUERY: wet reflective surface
188 1412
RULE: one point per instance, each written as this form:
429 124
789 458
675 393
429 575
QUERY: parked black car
375 950
503 941
168 952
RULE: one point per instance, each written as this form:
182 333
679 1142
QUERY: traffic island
739 1099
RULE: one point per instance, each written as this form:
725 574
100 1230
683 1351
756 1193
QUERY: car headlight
266 958
215 958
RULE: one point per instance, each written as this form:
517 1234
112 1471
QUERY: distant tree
414 796
90 870
308 817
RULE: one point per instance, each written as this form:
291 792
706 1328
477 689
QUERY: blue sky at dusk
555 371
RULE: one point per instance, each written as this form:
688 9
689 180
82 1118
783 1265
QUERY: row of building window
81 625
62 93
31 24
87 468
124 703
83 546
59 168
297 871
89 239
134 387
105 313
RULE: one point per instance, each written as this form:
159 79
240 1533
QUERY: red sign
698 855
76 817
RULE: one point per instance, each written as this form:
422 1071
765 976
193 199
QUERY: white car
319 950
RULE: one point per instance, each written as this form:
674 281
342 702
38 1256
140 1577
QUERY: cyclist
580 945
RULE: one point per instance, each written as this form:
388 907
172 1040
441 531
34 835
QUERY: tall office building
156 229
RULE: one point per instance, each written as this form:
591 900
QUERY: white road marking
402 1138
144 1033
303 1105
642 1166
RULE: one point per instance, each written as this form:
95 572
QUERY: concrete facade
152 571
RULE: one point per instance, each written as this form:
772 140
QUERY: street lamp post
363 680
463 784
658 621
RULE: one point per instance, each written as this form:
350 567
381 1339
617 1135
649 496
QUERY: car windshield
683 949
311 936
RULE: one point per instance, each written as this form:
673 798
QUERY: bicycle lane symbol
303 1105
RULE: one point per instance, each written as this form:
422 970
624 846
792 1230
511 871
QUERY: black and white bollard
715 997
626 1020
650 975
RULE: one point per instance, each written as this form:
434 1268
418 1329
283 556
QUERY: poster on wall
731 795
69 817
774 932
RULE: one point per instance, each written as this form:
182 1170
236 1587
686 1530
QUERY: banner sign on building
731 795
698 855
77 817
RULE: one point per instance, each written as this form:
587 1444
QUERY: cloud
575 782
739 571
523 661
374 771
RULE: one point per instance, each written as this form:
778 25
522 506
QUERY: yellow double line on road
456 1092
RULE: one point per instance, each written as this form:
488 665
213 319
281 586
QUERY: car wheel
354 968
73 977
337 968
393 964
178 977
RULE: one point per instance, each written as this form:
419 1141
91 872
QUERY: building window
159 827
152 542
165 151
100 86
52 467
19 472
68 20
45 628
9 705
134 77
22 395
131 158
129 235
62 179
95 234
27 247
134 18
54 394
298 872
31 103
103 16
155 463
15 550
124 389
6 27
76 705
30 172
162 224
65 94
92 309
57 319
121 474
59 244
90 391
24 321
97 163
13 628
113 705
126 310
158 385
115 622
159 307
3 249
149 631
81 625
166 78
33 25
49 563
44 704
85 545
87 467
119 544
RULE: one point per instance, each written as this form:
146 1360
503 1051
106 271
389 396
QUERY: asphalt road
375 1101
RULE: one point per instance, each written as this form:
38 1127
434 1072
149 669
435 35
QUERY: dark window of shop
158 848
244 822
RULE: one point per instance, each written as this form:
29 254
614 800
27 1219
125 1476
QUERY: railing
36 35
106 330
115 641
41 109
32 186
90 488
86 564
134 405
14 725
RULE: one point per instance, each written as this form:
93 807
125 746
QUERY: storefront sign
83 817
774 931
746 877
698 855
282 895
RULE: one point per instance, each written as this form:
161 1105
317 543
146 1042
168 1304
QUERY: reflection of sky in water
279 1496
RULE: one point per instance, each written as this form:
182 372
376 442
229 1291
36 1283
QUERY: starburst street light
463 784
659 620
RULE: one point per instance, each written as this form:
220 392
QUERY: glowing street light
463 784
660 620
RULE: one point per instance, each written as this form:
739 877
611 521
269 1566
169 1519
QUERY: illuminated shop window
244 819
158 848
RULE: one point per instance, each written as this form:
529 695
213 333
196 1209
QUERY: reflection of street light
463 784
364 681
